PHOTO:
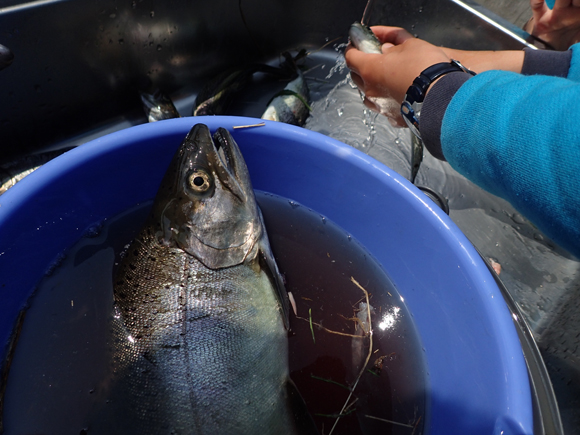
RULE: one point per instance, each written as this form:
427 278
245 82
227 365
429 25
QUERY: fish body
6 57
364 39
291 104
217 95
14 171
158 106
202 311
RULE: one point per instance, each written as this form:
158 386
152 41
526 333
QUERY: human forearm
479 61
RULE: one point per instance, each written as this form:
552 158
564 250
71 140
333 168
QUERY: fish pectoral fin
268 265
304 423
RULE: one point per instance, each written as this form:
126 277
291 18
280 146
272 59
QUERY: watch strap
411 106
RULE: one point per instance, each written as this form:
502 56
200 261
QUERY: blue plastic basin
478 382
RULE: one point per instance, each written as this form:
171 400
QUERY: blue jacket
517 136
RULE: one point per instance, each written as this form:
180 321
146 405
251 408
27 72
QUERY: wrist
415 96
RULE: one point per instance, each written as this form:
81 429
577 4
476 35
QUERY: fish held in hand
201 308
364 39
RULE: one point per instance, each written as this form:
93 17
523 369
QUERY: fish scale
192 327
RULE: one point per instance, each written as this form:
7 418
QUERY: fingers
358 81
356 59
385 47
393 35
537 4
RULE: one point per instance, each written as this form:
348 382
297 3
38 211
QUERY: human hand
559 27
384 78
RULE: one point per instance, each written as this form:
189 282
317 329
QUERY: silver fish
364 39
14 171
158 106
6 57
201 308
291 104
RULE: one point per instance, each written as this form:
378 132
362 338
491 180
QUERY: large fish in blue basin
201 309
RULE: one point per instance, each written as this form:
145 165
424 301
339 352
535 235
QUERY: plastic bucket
478 381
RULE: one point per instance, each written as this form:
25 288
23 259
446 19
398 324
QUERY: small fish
6 57
14 171
291 104
158 106
202 313
364 39
217 94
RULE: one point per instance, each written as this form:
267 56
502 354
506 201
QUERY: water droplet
121 41
538 237
159 47
152 14
518 218
293 204
340 111
323 219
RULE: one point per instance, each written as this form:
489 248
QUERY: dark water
62 368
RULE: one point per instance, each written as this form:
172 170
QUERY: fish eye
199 181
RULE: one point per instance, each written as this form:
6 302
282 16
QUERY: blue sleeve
519 138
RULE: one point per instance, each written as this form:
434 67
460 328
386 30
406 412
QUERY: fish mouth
221 154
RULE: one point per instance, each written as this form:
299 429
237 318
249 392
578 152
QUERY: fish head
364 39
206 205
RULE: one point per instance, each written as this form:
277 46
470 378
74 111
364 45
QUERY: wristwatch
413 102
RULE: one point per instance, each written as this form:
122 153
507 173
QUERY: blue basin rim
478 381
